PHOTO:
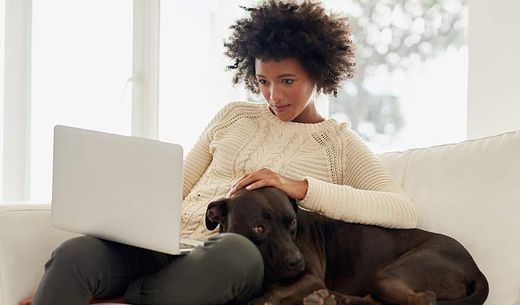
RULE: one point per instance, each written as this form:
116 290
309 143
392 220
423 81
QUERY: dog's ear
294 203
215 212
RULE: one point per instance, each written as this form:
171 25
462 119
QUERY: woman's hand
294 188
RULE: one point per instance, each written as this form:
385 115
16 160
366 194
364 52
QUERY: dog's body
359 264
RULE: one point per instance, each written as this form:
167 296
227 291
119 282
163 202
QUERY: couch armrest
27 240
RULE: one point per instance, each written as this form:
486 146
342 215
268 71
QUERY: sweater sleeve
368 195
198 159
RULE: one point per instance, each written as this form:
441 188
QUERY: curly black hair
286 29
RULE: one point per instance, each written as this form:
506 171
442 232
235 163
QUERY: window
193 82
410 89
81 64
2 54
403 95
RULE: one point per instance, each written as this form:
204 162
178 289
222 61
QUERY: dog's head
267 217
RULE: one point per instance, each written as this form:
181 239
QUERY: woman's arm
198 159
195 165
368 195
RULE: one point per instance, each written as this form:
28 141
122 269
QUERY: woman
289 52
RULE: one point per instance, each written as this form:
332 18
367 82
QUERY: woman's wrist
303 188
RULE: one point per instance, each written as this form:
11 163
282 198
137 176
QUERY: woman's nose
276 94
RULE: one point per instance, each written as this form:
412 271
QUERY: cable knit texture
346 180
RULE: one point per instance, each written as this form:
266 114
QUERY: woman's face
288 89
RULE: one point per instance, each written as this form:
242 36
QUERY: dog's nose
295 262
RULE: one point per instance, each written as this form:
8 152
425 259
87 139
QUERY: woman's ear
215 213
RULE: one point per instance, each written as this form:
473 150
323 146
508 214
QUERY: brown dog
319 260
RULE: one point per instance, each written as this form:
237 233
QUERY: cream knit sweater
346 180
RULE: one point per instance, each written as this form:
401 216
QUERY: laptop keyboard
184 246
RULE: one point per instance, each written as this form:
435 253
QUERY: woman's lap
226 268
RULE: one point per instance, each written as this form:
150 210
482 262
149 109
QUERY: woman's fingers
294 188
245 182
258 184
255 177
241 178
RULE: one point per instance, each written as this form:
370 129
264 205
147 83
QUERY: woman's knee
78 251
239 257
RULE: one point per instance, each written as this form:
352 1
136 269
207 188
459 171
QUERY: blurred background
77 60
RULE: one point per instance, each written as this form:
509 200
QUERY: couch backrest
471 191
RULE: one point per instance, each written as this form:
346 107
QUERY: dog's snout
295 261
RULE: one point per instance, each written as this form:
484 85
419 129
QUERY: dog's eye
259 229
293 226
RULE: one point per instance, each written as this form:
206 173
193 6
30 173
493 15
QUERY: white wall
494 67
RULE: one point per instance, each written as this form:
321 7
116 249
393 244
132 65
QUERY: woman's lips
281 108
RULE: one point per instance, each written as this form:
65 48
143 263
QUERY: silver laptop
119 188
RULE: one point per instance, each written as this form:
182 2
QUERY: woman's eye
262 81
259 229
288 81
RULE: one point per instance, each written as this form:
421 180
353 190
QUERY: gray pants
228 268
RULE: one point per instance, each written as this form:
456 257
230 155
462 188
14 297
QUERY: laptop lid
120 188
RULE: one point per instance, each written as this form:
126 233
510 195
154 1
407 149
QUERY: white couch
469 190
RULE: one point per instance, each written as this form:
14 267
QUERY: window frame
17 82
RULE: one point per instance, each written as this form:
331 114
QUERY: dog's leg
421 276
326 297
396 291
290 293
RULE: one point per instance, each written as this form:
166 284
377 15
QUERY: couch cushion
26 242
471 191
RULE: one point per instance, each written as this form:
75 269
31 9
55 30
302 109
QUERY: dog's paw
320 297
425 298
263 301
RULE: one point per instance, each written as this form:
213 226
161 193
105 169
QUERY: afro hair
275 30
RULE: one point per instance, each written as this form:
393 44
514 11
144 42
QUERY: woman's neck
309 115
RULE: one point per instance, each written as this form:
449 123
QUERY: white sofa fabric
471 191
468 190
